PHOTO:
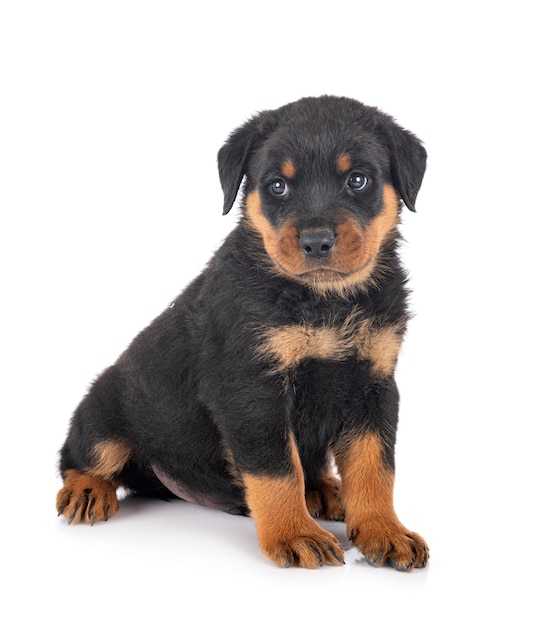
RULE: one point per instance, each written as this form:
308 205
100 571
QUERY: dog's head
324 179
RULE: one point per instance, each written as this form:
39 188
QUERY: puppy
276 364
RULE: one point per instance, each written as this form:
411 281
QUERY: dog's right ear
233 157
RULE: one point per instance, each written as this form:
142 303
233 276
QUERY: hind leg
95 453
324 498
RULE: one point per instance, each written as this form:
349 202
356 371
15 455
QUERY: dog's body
279 358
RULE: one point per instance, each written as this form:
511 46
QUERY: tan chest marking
380 345
360 339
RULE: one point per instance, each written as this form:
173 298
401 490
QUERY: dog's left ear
233 157
408 158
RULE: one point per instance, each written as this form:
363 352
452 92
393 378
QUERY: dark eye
357 181
278 187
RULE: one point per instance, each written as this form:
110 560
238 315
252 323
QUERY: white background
111 115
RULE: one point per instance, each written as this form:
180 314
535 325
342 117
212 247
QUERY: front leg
365 462
286 532
258 438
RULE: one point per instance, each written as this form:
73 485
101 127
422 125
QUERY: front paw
390 542
310 548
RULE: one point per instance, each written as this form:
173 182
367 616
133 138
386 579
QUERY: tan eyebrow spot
288 169
344 163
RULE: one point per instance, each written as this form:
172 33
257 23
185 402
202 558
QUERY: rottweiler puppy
267 387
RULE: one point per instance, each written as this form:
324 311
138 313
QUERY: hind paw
85 498
325 501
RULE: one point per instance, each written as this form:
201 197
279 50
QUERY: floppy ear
408 159
233 157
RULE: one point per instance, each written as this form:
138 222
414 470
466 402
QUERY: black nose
317 244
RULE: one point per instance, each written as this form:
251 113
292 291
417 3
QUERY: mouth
322 275
329 280
332 278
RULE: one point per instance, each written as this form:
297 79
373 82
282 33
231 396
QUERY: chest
357 338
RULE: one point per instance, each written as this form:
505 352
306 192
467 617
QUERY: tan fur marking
110 458
366 481
293 344
355 338
286 532
344 163
354 260
255 215
362 249
385 223
284 249
384 350
281 246
367 494
288 169
381 345
325 500
85 498
351 246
